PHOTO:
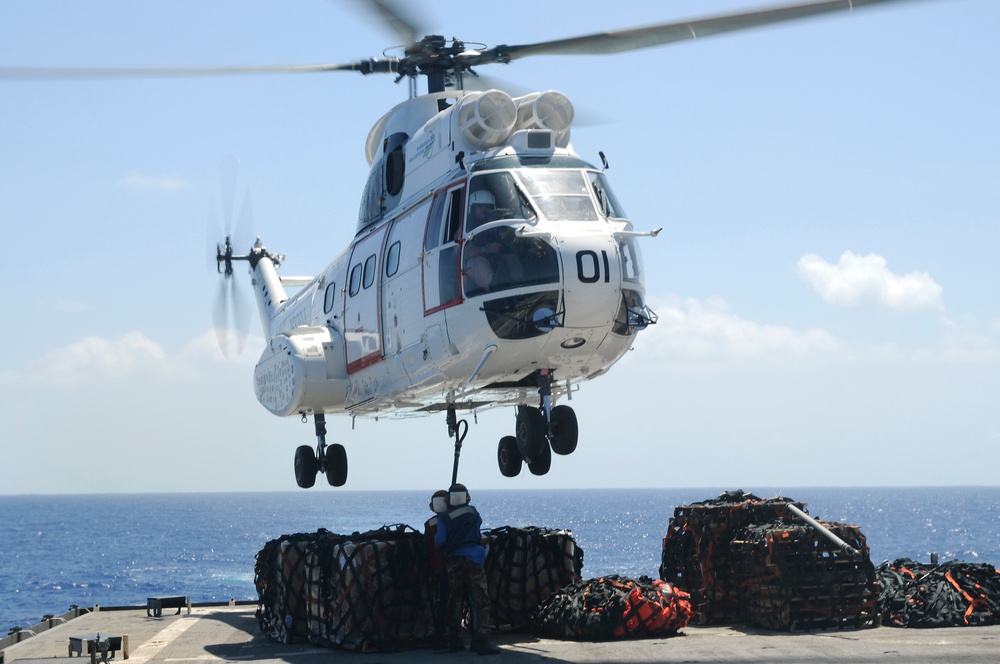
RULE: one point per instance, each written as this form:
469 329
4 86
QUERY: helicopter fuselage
482 262
491 266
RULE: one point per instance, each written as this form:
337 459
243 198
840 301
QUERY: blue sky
827 279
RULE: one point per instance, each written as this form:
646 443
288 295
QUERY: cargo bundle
526 566
367 591
373 591
791 578
953 594
614 607
766 562
696 549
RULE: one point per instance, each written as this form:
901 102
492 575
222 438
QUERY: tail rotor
230 312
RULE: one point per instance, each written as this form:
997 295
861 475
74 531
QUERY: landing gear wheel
305 466
565 431
336 465
509 457
530 430
540 464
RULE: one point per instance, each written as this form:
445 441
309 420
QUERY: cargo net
696 549
367 591
952 594
526 566
792 578
374 591
613 607
722 551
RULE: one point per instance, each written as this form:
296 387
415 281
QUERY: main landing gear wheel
541 462
509 457
306 466
565 432
530 431
336 465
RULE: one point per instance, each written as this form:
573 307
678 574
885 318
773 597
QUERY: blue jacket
458 534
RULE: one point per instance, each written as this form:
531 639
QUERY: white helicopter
491 265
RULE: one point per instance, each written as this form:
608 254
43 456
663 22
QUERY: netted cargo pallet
953 594
365 591
792 578
613 607
526 566
696 549
279 577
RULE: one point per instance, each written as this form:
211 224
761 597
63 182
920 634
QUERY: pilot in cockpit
489 261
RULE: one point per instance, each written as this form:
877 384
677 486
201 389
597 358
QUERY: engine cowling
302 371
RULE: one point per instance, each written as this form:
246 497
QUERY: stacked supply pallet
792 578
367 591
696 550
526 566
373 591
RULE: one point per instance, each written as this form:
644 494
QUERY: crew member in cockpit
489 261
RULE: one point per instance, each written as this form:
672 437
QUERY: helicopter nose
592 281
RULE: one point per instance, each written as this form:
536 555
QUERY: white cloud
866 281
707 330
97 358
136 180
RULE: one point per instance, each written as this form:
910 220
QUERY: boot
455 643
481 646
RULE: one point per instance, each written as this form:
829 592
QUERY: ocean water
115 550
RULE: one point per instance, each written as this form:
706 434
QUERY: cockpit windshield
560 195
494 256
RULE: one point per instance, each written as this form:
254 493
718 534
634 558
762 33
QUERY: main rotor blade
665 33
408 29
372 66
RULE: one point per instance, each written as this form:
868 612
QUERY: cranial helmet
458 495
482 197
439 502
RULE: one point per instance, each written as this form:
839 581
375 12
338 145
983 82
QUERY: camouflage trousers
466 579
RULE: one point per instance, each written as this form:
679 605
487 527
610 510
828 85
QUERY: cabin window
369 271
329 296
392 259
355 279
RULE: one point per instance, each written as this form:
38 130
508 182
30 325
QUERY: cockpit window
495 196
496 257
561 195
606 201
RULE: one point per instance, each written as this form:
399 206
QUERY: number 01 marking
588 266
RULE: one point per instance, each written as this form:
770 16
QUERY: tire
565 431
336 465
530 431
541 463
509 457
305 466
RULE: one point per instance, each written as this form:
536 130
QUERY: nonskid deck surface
230 634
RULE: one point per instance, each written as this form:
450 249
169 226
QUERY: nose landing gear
328 459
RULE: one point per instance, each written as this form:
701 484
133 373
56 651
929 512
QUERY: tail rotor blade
241 318
243 232
229 172
221 319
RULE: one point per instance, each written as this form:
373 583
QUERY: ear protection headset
439 502
458 495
